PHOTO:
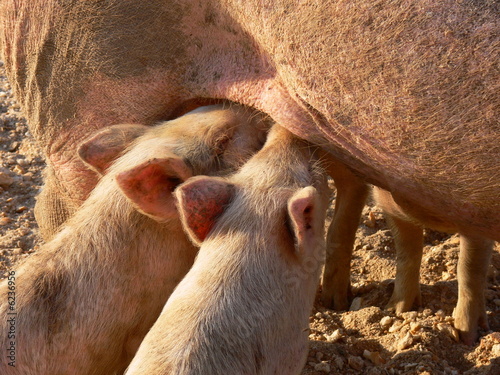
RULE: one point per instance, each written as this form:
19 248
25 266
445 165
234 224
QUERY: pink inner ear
301 210
150 185
201 201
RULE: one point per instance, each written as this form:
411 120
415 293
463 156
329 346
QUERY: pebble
356 362
5 180
371 222
449 330
495 337
409 315
14 146
426 313
415 327
335 336
339 362
440 314
23 162
323 366
4 221
356 304
396 327
386 322
373 357
18 169
445 276
405 342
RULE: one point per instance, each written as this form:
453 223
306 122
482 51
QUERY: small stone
355 362
440 314
335 336
405 342
356 304
495 337
5 179
339 362
445 276
23 162
319 356
386 322
14 146
426 313
415 327
4 220
371 222
18 169
322 367
409 315
449 330
17 251
396 327
21 209
373 357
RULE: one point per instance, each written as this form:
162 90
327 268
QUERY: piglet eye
221 144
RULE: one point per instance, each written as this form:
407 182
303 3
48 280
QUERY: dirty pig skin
404 92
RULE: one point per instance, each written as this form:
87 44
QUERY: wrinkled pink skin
403 92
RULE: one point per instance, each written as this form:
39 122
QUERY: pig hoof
468 337
400 305
336 301
468 329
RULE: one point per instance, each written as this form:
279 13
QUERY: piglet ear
149 186
303 212
101 149
201 200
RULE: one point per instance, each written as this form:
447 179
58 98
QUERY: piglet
243 308
83 303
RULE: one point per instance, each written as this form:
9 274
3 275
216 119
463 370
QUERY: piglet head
201 200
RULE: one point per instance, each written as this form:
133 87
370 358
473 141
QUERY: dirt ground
366 340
